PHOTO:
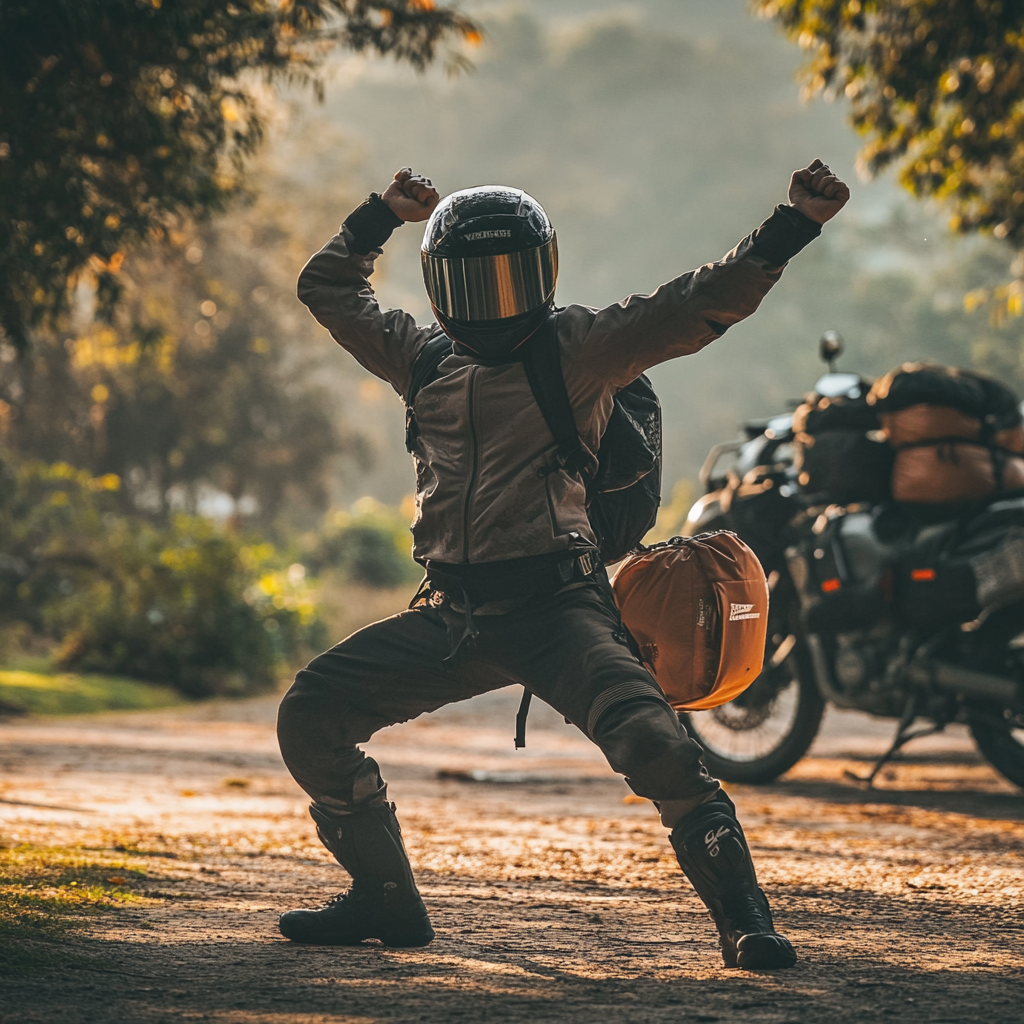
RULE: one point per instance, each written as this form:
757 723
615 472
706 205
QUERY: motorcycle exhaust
941 675
945 676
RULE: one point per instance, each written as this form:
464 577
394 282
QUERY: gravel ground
554 894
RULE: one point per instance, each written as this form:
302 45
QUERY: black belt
483 582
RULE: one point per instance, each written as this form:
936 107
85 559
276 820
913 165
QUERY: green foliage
119 117
937 85
187 604
53 521
190 387
370 546
38 693
672 513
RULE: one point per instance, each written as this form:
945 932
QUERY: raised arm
335 283
686 314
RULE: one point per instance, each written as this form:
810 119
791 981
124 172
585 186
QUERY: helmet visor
491 287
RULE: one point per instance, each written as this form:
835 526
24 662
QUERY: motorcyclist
514 591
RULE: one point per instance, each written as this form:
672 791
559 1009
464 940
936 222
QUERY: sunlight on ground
152 853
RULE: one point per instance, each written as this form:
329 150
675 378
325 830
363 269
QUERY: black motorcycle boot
713 853
383 901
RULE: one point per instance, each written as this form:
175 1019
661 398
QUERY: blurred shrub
51 519
673 513
187 603
370 545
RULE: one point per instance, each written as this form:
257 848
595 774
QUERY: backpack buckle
586 563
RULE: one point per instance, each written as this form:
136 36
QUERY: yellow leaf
973 299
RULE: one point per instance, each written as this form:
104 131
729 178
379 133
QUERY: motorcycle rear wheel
766 730
1001 743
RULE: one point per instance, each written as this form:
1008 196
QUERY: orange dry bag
698 609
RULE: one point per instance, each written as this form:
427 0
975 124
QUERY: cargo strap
469 633
521 715
999 454
947 439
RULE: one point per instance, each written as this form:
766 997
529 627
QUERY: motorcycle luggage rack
706 471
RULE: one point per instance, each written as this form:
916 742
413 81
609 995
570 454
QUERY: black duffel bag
982 398
840 458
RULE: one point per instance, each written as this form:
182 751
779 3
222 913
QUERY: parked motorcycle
873 608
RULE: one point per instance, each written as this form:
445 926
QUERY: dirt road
553 899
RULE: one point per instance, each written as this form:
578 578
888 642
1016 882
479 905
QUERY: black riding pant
568 648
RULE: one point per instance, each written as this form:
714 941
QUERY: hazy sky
656 134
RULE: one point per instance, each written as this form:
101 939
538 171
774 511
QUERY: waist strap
517 577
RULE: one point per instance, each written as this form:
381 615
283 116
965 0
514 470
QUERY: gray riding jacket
483 489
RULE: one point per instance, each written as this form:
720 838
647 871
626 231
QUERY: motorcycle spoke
747 733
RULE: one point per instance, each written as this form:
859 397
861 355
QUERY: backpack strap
425 370
521 716
543 365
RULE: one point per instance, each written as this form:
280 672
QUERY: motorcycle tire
791 745
1000 743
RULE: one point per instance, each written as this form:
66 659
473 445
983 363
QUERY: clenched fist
411 196
817 193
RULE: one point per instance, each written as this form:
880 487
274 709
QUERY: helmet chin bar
495 340
489 288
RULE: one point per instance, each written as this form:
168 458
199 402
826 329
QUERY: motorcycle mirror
830 348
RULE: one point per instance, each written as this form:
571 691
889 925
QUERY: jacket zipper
473 451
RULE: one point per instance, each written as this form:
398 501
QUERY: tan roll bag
944 454
949 469
698 609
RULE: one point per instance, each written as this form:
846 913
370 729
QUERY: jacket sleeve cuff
370 225
783 235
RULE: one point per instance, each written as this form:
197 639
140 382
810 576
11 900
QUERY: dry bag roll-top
697 607
956 434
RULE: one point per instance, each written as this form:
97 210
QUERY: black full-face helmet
490 261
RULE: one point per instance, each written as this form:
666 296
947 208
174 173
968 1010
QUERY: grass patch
47 897
67 693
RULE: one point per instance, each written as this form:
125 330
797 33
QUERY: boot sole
409 941
397 939
763 953
403 942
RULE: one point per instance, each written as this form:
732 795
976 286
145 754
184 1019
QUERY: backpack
697 608
624 481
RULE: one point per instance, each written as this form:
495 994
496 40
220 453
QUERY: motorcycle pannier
954 571
956 434
697 607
